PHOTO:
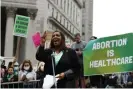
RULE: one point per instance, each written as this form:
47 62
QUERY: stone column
30 48
8 52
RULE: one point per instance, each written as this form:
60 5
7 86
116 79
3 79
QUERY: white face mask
26 68
16 68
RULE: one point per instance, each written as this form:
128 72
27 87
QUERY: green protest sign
21 26
109 55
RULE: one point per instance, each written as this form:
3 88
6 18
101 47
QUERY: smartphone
76 49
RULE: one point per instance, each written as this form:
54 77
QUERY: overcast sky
112 17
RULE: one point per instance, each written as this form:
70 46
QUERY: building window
68 7
61 3
71 10
50 25
54 28
70 28
52 12
67 25
57 2
66 37
83 33
56 15
48 5
83 25
78 20
57 29
64 5
73 30
76 15
54 1
64 22
83 4
60 18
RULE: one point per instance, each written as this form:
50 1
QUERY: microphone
53 57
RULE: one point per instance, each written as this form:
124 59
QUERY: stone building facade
9 9
62 15
87 22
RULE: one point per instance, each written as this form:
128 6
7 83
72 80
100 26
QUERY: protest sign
49 35
21 26
36 39
109 55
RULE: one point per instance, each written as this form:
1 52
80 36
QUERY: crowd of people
68 66
21 73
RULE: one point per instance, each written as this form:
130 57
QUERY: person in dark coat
96 80
10 77
66 63
3 70
40 74
130 80
111 80
78 46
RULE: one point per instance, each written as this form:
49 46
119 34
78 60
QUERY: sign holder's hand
43 39
79 53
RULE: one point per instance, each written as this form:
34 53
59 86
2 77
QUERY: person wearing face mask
16 68
10 77
64 60
26 73
40 73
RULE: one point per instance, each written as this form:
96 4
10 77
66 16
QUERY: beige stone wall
39 13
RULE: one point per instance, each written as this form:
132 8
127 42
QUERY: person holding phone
78 46
66 63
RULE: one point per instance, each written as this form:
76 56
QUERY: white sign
7 60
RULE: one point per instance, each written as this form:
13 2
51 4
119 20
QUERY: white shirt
29 75
57 57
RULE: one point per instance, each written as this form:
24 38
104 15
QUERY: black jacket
68 64
40 76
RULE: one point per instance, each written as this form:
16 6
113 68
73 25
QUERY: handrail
19 82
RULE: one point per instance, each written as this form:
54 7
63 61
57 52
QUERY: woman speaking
66 64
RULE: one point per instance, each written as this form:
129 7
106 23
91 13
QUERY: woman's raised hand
43 39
